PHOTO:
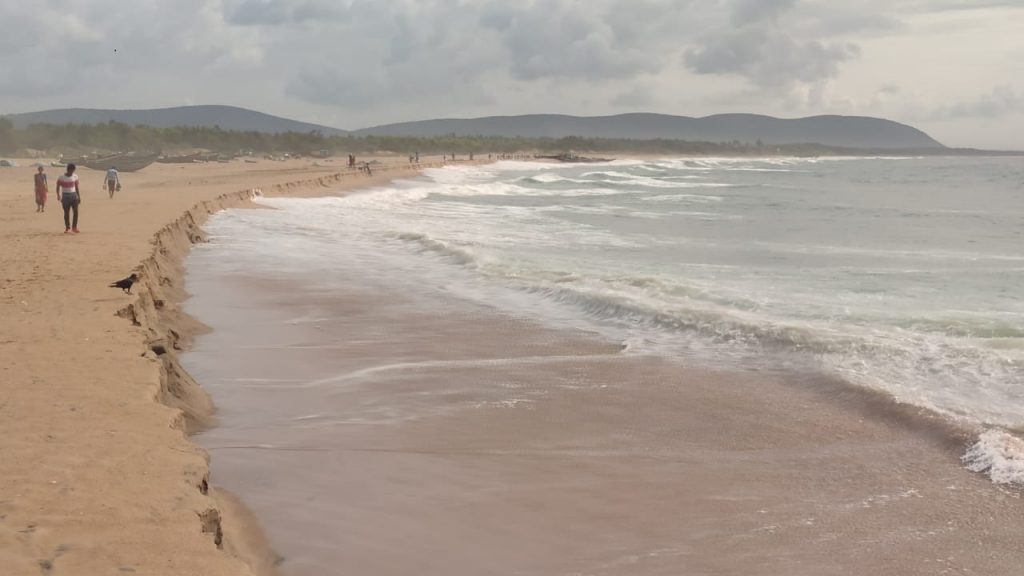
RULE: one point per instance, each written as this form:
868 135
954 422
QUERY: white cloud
278 12
1001 101
753 11
354 63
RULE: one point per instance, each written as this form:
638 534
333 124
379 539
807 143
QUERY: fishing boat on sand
124 162
181 159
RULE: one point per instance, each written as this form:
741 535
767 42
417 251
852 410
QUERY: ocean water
903 275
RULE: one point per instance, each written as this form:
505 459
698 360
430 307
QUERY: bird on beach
126 284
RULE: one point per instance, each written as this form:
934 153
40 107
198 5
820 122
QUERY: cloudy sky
954 68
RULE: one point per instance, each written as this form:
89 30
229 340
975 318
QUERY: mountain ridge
227 117
826 130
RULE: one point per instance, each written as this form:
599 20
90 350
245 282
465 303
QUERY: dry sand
97 475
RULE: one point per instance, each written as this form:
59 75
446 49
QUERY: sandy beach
98 475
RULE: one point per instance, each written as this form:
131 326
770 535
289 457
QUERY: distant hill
834 131
841 131
227 117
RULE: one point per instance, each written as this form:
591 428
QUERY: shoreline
133 490
236 529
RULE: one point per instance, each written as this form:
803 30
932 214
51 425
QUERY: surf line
429 364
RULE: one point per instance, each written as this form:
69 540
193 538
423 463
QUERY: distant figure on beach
113 180
366 166
70 197
42 190
417 157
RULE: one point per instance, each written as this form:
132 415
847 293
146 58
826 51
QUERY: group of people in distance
69 193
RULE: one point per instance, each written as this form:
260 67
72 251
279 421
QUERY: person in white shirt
113 181
70 197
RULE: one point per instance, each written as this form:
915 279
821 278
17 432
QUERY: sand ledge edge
166 331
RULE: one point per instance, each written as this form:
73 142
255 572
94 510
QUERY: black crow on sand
126 284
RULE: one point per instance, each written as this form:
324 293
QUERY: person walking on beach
42 190
113 180
70 197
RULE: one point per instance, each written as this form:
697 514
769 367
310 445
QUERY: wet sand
378 432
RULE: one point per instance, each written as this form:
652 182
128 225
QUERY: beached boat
216 157
124 162
571 157
181 159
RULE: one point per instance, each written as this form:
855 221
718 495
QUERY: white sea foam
998 454
622 179
523 165
675 198
547 177
608 174
626 179
721 163
754 169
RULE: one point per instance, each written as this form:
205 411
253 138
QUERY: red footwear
67 231
75 230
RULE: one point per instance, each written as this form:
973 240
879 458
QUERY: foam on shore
998 454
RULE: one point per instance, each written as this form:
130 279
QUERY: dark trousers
70 205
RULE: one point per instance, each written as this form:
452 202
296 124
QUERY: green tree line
119 137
